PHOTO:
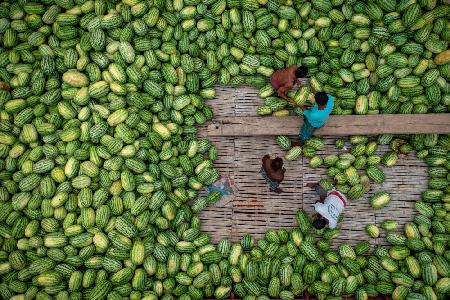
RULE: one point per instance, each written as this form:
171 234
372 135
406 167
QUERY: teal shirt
318 117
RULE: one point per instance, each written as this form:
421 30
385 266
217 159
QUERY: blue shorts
273 185
306 131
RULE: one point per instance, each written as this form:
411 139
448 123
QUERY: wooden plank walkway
253 209
336 125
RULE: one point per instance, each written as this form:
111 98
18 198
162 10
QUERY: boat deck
252 208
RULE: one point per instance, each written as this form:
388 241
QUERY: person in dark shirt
273 172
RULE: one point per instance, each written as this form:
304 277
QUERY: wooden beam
336 125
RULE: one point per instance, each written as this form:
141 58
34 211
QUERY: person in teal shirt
317 115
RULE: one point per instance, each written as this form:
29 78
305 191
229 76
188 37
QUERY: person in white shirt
331 205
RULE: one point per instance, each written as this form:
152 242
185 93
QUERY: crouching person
331 205
272 172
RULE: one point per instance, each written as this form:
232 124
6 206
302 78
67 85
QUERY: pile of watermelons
101 168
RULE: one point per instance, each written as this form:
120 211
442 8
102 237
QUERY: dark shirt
274 175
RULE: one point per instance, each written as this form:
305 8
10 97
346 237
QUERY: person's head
321 98
319 223
301 72
277 163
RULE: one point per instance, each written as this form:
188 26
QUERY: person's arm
330 104
308 111
282 91
287 99
266 157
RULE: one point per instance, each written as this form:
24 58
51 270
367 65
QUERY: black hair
319 223
301 72
321 98
277 163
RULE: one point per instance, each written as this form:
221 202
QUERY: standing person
284 80
329 208
317 115
273 172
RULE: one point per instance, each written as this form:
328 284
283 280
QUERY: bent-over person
273 172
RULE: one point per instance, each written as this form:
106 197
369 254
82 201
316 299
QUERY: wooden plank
336 125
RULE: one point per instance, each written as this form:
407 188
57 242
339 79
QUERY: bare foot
311 185
278 191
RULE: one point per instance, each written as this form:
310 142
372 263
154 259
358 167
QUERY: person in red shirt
284 80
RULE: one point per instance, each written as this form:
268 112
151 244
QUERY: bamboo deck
252 209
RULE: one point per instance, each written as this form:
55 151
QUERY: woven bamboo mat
252 208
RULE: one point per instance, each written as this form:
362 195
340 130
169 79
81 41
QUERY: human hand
291 101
